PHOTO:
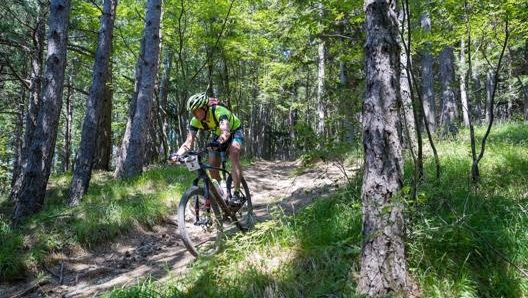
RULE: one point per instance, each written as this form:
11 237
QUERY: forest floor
159 252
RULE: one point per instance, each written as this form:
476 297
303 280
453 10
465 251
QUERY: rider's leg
214 160
234 157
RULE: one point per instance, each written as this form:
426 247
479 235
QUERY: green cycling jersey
212 121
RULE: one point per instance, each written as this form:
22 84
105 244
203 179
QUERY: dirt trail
159 252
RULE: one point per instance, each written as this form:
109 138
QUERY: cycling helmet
197 101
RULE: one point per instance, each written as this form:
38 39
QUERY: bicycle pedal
236 200
202 221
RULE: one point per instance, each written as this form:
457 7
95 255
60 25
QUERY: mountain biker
227 134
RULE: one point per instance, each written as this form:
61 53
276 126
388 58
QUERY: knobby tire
206 238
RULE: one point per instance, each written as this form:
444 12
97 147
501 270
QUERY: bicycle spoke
200 227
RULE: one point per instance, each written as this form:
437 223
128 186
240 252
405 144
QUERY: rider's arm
225 132
189 141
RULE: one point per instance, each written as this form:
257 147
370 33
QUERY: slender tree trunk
475 171
383 265
405 84
33 106
132 153
18 140
103 148
36 171
428 78
66 148
477 100
321 88
153 136
87 148
321 109
447 76
463 84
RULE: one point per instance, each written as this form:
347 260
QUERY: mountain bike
205 213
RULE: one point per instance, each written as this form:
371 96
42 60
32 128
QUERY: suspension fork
207 204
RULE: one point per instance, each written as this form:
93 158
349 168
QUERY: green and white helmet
197 101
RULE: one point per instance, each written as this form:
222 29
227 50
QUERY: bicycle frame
208 185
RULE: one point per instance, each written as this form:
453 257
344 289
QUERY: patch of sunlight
269 261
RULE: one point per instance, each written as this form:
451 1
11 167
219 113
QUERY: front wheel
244 210
200 223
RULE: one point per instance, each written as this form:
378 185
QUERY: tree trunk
321 90
405 85
463 83
87 148
132 153
33 106
447 77
428 78
383 266
17 138
36 171
103 147
66 148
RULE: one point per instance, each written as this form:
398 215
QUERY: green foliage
11 268
5 157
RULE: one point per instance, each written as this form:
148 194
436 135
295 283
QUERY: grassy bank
462 240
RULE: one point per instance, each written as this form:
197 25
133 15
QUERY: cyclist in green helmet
227 135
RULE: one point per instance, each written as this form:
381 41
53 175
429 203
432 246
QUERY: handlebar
173 157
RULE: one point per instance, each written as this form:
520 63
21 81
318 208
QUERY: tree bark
132 153
35 87
321 109
406 85
87 148
447 78
463 84
103 147
66 148
383 266
36 171
428 78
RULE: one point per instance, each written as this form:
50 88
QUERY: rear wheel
244 210
200 223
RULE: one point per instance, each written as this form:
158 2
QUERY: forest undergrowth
463 240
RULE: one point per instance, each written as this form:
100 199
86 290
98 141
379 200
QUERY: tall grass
470 240
463 240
